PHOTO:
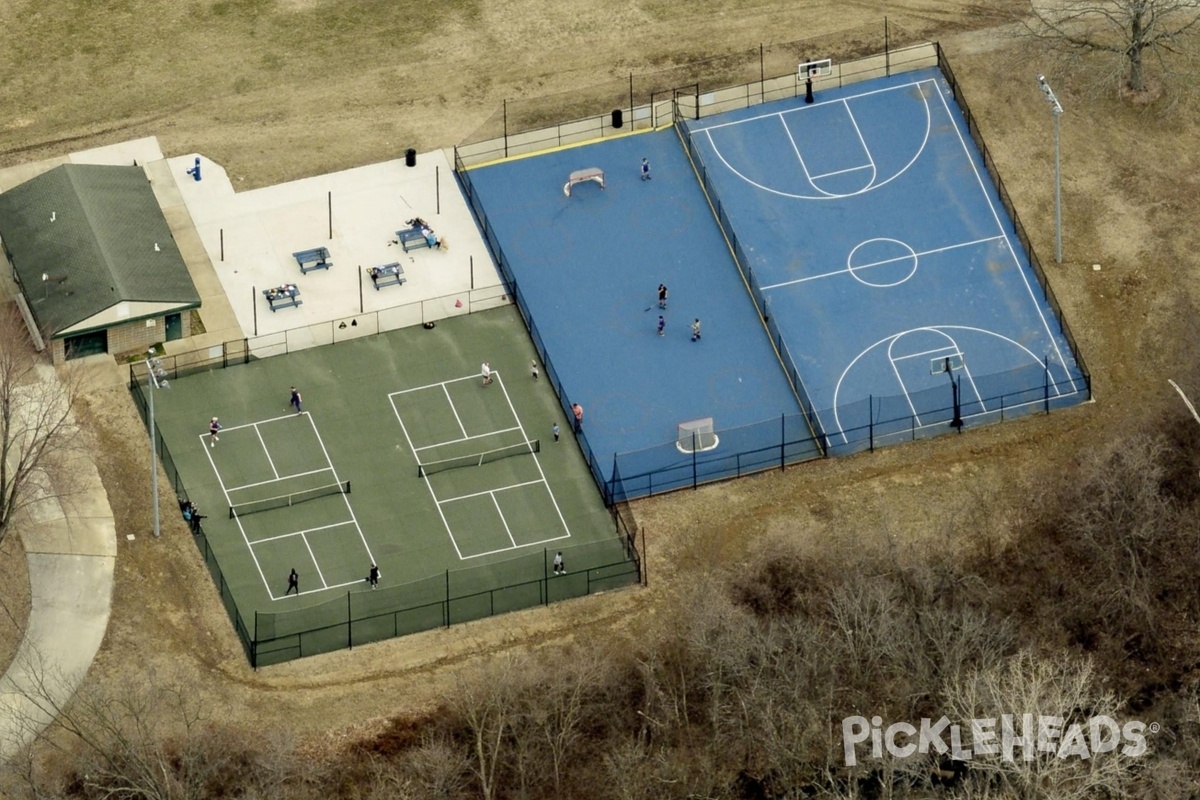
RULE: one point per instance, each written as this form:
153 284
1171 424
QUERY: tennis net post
285 500
479 459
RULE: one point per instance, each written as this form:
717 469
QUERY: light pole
156 378
1057 109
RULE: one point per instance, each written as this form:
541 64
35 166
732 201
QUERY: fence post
695 444
349 623
447 598
782 441
887 56
871 421
1046 382
254 644
545 578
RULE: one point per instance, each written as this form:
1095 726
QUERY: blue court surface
587 268
873 235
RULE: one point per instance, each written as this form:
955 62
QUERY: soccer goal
696 436
594 174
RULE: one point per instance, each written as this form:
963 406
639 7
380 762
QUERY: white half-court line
885 262
256 423
316 563
345 497
983 187
510 549
825 195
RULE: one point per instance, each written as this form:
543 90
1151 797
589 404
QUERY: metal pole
1056 109
153 451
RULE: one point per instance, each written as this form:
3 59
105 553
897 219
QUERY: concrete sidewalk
71 547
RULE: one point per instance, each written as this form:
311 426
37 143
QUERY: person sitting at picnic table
430 238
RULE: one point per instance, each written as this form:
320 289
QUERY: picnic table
316 258
386 274
285 296
416 237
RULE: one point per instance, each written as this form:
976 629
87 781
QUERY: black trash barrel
618 118
410 157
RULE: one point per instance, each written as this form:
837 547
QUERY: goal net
594 174
696 436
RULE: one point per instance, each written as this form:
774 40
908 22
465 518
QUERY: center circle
882 263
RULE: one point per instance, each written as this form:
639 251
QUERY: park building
96 265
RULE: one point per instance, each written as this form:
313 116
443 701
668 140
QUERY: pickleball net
285 500
479 459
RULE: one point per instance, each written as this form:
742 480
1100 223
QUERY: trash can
617 118
410 157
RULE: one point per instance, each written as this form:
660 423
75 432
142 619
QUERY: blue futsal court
895 297
587 268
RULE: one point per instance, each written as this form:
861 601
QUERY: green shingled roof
98 251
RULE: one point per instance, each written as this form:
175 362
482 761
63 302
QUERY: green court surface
471 533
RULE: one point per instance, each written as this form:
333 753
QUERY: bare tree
1130 31
37 429
487 701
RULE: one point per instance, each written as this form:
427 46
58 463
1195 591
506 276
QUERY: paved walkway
71 547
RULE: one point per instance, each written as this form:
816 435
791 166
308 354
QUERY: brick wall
133 337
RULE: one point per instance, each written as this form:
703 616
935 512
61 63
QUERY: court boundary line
275 480
1000 226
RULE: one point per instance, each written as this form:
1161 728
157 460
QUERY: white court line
956 352
279 479
840 172
814 105
861 141
266 451
826 195
488 491
229 502
256 423
301 532
884 262
795 149
465 438
891 340
536 461
428 485
316 563
441 384
454 411
345 498
510 549
507 529
1000 226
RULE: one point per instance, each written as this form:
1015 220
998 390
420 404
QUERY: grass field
496 499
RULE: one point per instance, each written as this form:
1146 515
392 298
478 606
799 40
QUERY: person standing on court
486 371
645 169
293 583
662 323
559 567
696 329
554 430
373 577
214 428
662 295
295 401
533 369
577 410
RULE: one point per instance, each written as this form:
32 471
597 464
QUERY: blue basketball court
877 240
